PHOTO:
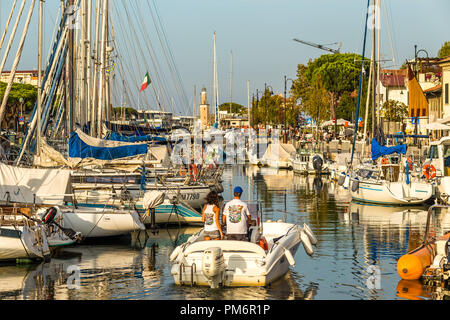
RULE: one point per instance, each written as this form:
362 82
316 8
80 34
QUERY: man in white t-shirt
236 217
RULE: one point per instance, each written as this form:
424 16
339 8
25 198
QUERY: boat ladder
182 270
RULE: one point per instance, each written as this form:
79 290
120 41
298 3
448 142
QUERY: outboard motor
213 266
49 218
317 163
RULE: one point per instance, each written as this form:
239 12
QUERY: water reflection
352 238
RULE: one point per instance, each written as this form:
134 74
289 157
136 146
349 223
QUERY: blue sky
260 33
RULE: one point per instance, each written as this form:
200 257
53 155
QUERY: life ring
410 163
429 171
182 171
385 161
263 243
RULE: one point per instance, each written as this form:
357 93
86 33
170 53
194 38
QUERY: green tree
331 78
445 50
26 91
394 111
235 108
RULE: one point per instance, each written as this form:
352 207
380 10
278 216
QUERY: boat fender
175 253
355 185
289 257
310 234
306 243
341 179
333 174
263 243
347 182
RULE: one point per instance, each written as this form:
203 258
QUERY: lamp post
416 52
285 106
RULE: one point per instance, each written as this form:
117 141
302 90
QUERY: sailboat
390 179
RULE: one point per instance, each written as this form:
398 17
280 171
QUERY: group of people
236 218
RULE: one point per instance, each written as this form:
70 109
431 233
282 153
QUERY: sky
259 34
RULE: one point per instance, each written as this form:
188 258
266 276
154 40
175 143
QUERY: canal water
354 259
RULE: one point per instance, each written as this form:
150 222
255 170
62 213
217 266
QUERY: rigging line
394 51
163 84
167 44
152 56
129 67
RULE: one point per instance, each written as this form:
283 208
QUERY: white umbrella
437 126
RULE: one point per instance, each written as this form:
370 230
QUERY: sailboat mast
378 60
102 86
374 105
39 91
95 84
216 116
231 84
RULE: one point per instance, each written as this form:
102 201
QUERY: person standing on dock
211 217
236 217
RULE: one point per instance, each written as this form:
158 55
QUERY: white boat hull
97 223
22 243
247 264
394 193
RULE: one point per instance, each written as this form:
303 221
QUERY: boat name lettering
190 196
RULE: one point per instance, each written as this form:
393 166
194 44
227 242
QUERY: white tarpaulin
283 153
40 186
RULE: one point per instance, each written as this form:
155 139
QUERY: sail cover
380 151
114 136
86 147
39 186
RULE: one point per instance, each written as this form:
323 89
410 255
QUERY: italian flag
146 82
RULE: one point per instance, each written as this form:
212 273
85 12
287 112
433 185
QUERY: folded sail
380 151
83 146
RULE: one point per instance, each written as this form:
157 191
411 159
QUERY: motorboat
260 261
309 163
437 167
231 263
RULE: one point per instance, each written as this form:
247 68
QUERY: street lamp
285 106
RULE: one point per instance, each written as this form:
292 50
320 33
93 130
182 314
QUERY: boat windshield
367 174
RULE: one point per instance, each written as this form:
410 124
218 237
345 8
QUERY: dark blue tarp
379 151
114 136
80 149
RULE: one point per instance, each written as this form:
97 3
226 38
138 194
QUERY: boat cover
28 186
83 146
114 136
380 151
279 152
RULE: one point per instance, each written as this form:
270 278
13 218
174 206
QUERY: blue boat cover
87 147
114 136
379 151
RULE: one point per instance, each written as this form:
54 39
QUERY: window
446 93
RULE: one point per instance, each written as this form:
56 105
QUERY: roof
21 71
445 60
434 89
393 78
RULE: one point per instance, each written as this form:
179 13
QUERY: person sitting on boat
236 217
211 218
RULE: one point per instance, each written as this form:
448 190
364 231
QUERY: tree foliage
445 50
26 91
235 108
394 111
324 85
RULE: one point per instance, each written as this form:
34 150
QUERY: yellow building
445 64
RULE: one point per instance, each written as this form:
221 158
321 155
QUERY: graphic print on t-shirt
235 213
209 219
